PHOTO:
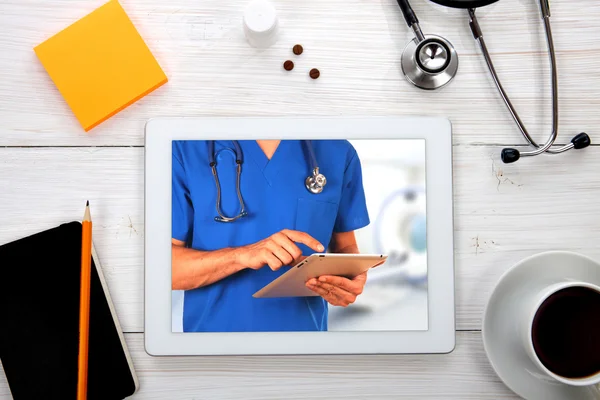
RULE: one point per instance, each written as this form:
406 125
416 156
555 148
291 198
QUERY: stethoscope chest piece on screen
315 182
430 63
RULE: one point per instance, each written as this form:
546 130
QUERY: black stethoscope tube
314 182
409 15
464 3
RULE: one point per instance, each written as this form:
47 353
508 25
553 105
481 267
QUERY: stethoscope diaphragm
430 63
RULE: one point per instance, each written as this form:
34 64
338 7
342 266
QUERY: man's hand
336 290
277 250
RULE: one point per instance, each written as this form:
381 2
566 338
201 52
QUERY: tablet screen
244 212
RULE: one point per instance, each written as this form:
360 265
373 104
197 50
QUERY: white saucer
500 327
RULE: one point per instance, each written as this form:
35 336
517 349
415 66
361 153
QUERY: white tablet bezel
159 338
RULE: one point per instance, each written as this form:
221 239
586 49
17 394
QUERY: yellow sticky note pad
100 64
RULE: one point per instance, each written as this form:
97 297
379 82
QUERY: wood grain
464 374
502 213
356 44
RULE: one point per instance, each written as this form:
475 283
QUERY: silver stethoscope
314 182
430 62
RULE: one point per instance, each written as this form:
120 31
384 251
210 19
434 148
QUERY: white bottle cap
261 25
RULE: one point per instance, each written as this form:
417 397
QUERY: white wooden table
503 213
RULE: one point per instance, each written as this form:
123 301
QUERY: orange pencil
84 303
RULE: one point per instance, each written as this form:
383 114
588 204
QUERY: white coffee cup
531 305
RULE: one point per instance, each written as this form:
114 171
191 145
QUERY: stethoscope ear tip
509 156
581 141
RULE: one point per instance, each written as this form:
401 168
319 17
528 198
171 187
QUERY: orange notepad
100 64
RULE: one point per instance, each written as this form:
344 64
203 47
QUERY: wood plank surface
503 213
356 44
463 374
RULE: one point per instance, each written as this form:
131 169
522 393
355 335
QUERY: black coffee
566 332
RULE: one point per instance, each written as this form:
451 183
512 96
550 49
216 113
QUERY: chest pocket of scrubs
317 218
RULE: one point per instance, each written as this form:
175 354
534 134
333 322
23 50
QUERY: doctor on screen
242 214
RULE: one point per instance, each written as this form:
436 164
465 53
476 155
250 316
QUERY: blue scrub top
276 199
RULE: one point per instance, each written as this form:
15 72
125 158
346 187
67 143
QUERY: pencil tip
87 204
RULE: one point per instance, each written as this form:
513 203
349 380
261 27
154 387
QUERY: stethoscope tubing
237 150
239 159
239 155
311 155
546 147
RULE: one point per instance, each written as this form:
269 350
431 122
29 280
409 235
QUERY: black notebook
39 321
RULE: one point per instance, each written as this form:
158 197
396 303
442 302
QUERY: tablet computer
293 282
231 202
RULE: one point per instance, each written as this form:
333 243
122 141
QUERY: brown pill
288 65
314 73
298 49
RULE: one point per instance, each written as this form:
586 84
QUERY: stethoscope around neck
314 183
431 62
